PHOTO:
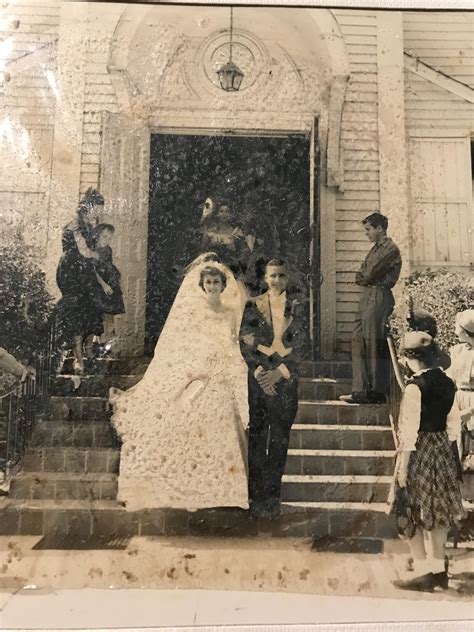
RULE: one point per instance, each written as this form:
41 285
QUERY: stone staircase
335 487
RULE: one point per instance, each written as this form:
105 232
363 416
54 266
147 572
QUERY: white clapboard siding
100 96
359 140
441 202
445 41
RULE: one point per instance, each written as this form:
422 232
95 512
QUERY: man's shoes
362 397
357 397
424 583
376 398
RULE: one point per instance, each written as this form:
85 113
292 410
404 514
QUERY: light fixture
230 76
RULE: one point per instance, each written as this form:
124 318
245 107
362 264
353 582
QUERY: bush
25 304
442 293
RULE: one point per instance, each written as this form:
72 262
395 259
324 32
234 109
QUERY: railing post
397 386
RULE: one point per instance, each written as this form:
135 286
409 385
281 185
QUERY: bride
183 425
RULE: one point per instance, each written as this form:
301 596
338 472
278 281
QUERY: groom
271 340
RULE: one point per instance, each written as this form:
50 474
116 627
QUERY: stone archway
162 62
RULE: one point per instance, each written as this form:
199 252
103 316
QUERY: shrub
25 304
442 293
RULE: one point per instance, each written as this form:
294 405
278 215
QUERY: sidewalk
323 583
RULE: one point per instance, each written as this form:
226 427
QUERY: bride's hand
191 378
197 376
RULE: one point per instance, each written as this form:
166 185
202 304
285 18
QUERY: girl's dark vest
437 398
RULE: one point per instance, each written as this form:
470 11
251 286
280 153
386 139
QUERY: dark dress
432 484
109 303
77 313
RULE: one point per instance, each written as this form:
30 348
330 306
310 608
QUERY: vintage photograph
237 299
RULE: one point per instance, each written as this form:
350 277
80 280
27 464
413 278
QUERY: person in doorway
271 341
427 468
223 235
377 276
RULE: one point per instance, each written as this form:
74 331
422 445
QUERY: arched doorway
289 86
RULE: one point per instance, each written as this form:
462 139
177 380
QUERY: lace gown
183 425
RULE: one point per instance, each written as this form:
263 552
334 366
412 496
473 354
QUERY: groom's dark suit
271 417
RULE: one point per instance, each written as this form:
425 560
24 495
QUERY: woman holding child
183 425
89 283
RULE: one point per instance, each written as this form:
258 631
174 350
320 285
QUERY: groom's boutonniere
248 339
291 308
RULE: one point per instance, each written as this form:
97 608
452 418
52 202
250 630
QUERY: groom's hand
270 391
268 379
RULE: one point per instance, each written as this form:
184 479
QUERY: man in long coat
377 276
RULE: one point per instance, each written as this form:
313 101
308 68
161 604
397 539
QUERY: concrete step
78 408
337 462
323 388
86 517
69 433
340 369
91 385
335 488
336 412
111 366
337 368
340 437
64 485
346 519
72 459
356 545
98 385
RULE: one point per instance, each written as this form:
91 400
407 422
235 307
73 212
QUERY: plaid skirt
433 487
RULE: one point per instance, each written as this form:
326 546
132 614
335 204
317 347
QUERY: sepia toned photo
237 299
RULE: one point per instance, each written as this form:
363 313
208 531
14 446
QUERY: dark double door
268 181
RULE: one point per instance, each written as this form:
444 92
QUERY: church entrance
261 185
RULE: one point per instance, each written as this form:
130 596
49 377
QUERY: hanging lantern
230 76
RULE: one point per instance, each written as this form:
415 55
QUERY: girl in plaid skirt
428 426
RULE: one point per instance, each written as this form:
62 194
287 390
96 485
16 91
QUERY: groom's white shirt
277 310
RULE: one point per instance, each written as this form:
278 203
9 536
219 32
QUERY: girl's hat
466 321
416 340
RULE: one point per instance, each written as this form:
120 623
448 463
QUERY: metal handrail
395 364
21 407
15 422
397 388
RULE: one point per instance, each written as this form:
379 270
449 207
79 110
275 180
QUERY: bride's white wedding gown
182 426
